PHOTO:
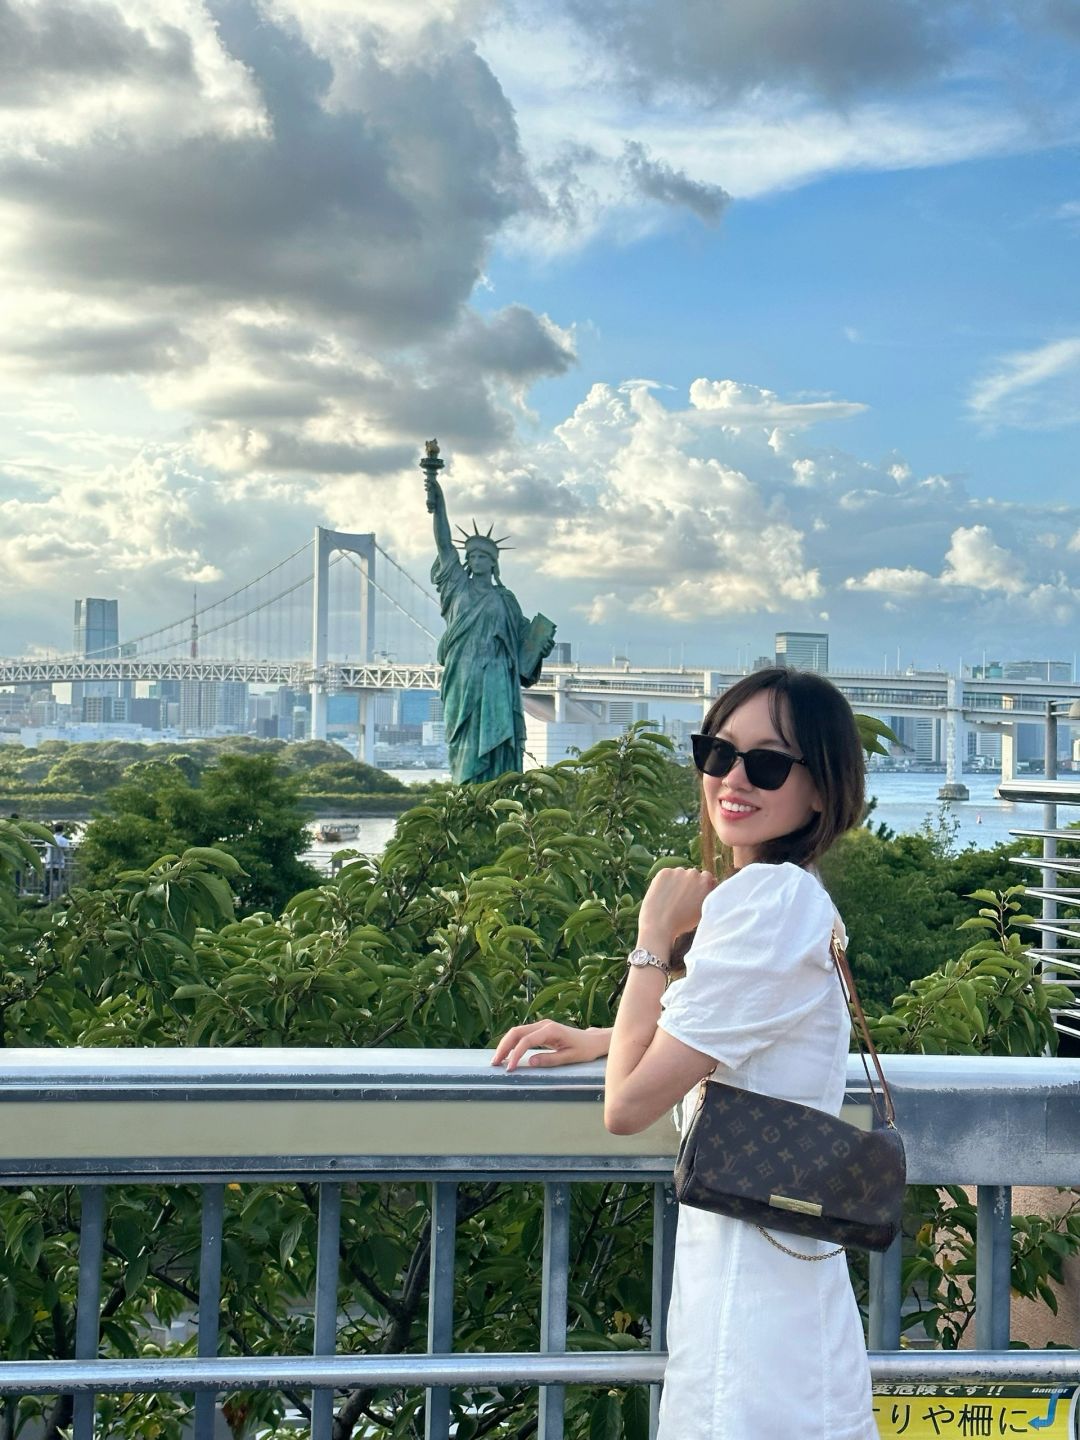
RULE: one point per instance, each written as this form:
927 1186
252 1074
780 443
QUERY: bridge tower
955 742
362 546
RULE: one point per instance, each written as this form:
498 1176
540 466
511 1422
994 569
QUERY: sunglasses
765 769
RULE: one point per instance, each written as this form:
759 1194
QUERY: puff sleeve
758 966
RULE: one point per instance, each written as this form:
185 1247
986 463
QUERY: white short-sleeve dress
761 1343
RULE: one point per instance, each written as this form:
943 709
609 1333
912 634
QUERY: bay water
905 802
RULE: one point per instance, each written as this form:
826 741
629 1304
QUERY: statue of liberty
488 650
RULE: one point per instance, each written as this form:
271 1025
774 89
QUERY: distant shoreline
42 807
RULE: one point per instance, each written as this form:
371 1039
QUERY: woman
764 1333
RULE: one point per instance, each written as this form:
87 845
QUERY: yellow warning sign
961 1412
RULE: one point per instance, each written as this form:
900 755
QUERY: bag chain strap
888 1115
797 1254
843 970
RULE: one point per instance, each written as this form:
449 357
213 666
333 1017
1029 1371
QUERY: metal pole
553 1299
87 1314
213 1217
993 1267
885 1298
1049 844
665 1222
326 1302
441 1301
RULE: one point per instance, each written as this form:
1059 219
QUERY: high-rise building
803 650
207 705
1037 670
1049 670
105 710
232 699
146 712
927 740
97 637
625 712
418 706
560 653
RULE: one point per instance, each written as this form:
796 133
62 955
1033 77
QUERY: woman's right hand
557 1044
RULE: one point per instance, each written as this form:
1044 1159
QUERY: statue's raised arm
488 650
436 501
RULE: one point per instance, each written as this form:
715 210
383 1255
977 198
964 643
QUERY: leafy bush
492 904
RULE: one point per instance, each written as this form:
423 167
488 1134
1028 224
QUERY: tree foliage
58 778
492 904
243 804
902 898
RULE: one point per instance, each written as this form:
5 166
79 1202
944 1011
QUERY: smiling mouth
734 807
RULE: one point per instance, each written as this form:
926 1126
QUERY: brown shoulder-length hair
811 716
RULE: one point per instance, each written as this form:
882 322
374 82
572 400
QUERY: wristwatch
640 957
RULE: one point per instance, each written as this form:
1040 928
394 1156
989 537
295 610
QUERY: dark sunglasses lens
767 769
712 756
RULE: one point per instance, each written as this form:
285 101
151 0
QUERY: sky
751 316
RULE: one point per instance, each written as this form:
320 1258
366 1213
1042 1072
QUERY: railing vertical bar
213 1216
554 1294
885 1297
665 1221
993 1267
88 1305
441 1301
327 1263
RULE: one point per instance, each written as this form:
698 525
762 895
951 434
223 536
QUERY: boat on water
331 834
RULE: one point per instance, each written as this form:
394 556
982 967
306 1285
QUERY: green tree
82 774
346 777
492 904
243 804
485 898
902 898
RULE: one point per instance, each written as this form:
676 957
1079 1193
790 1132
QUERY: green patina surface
488 650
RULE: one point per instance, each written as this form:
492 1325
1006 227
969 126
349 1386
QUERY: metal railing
101 1118
1058 889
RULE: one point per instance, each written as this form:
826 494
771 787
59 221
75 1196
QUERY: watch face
640 958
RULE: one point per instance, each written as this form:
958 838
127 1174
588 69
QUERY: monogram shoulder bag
789 1167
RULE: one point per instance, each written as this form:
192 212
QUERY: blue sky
899 290
753 316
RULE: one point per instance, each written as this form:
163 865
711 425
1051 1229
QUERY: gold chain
797 1254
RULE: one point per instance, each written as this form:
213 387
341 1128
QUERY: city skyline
736 335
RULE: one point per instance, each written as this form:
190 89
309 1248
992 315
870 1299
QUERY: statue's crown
480 539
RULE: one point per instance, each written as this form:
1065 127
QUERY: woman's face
742 816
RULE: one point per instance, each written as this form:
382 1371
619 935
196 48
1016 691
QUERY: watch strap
639 958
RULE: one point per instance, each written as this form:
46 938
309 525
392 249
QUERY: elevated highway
960 703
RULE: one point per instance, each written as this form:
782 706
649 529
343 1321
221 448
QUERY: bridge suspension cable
197 612
388 597
411 579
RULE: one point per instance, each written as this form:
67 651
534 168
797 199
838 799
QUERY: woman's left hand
557 1044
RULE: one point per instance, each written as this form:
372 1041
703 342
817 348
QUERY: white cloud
632 514
1031 389
735 404
975 559
740 103
893 581
678 523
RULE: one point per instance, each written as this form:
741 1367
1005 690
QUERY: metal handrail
1054 892
101 1117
